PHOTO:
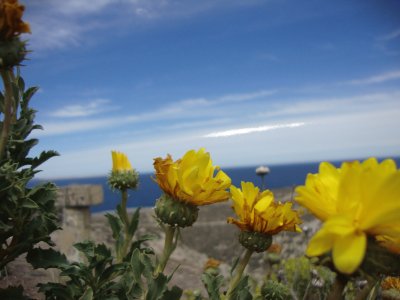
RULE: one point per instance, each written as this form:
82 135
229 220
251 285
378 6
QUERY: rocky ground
210 237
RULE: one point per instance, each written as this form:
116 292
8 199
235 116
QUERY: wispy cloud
390 36
241 131
84 110
386 42
71 21
380 78
180 110
230 98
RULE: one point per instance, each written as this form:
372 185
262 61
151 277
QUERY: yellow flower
120 162
11 23
355 201
191 179
258 212
122 176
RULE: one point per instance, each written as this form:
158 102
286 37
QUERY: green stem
169 247
239 272
8 110
125 220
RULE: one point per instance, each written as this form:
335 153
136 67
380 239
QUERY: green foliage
100 276
275 290
213 282
242 290
300 278
27 214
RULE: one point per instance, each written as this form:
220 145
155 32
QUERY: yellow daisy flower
355 201
191 179
120 162
122 176
258 212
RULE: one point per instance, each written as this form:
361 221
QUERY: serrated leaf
87 248
46 258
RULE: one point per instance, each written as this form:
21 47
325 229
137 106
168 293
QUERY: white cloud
393 75
58 24
390 36
84 110
362 134
179 110
333 106
386 43
248 130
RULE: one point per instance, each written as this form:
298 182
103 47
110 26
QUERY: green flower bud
255 241
12 53
174 212
123 180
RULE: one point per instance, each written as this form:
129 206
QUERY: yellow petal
320 243
348 252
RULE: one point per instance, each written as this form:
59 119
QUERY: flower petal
348 252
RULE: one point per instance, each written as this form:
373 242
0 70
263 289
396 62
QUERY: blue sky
254 82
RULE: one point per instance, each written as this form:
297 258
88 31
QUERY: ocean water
148 191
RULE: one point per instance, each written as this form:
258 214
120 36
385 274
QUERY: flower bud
123 180
12 53
255 241
174 212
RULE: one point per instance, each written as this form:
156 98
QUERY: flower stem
8 110
169 247
125 221
239 272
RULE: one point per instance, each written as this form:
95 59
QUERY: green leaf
213 284
136 265
115 224
241 292
28 203
87 248
46 258
234 264
27 96
157 287
21 83
133 225
88 295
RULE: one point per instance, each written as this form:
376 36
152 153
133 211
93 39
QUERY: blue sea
148 191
